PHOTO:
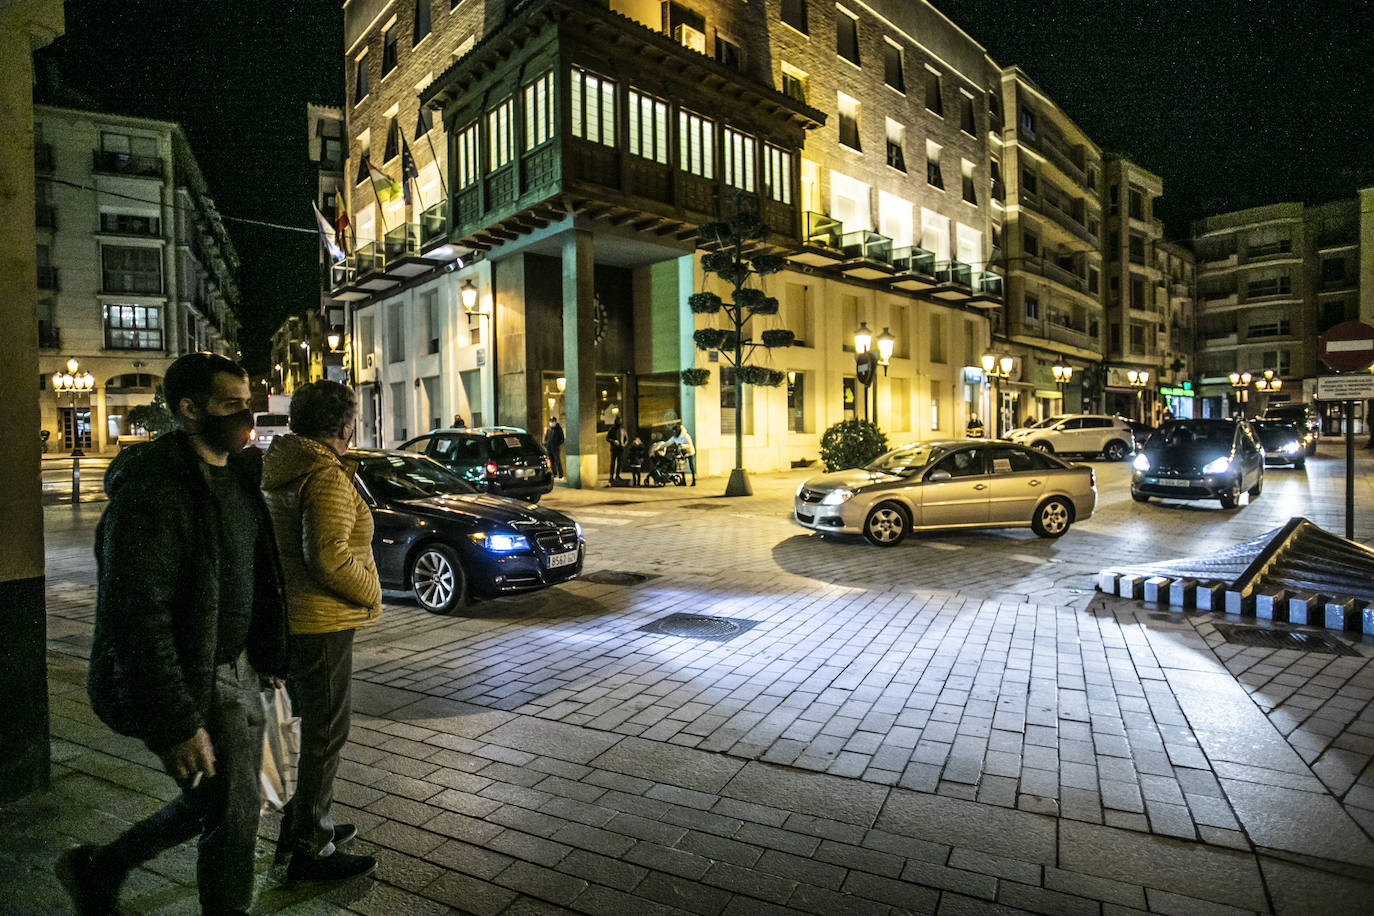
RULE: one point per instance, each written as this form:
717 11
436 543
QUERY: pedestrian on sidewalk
616 439
324 530
683 440
189 619
636 459
553 444
459 422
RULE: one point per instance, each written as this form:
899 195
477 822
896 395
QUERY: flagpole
381 211
443 186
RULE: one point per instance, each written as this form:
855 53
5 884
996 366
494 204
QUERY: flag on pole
341 223
383 185
326 234
408 171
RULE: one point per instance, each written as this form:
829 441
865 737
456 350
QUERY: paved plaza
960 724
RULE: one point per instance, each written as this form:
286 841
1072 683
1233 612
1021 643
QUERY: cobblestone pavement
956 725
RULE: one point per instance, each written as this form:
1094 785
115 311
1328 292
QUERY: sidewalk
855 750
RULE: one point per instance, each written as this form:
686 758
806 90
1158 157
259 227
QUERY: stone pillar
24 26
579 360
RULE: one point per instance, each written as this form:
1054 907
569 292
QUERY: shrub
852 444
696 378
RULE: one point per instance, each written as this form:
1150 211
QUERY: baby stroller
667 465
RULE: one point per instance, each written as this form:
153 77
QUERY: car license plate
562 559
1174 482
524 472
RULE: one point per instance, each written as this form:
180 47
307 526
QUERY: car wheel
1139 497
1043 446
886 525
1115 451
437 579
1300 464
1052 518
1230 498
1257 489
1312 448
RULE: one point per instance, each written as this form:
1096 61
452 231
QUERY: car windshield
409 477
1048 422
1272 432
1217 433
901 461
272 419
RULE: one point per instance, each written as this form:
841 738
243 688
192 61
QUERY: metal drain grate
1284 639
699 626
617 577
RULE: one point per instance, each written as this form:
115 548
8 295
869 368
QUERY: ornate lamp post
879 351
1062 375
997 368
1240 382
1268 385
76 383
1139 378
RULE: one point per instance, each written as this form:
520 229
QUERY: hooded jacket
157 551
324 534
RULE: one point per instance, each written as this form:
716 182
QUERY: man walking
553 444
615 438
189 614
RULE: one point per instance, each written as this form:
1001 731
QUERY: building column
579 360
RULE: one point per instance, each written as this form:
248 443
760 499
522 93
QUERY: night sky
1232 103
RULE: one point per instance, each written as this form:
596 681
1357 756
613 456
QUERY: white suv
1080 434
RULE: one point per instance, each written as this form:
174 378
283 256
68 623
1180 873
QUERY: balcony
1219 340
988 290
47 278
1272 289
1219 261
44 162
1218 300
1269 251
1069 336
868 255
1064 161
954 281
1064 277
915 268
434 225
821 240
45 216
125 164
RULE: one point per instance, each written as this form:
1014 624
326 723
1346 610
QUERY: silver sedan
954 484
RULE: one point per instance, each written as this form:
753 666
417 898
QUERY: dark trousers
320 686
616 451
556 461
692 464
222 810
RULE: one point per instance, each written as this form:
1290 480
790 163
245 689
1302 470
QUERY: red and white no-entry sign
1347 347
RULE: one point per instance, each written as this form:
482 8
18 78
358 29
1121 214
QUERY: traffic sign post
1347 347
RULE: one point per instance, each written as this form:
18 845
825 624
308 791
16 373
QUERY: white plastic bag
281 747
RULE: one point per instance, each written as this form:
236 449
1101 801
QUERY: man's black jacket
157 610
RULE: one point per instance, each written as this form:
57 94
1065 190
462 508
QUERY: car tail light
548 464
252 435
491 469
1092 477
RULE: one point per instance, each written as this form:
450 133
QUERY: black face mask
227 433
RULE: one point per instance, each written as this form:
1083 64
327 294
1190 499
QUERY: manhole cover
617 577
1284 639
699 626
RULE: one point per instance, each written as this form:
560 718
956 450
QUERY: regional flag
326 234
409 172
341 222
383 185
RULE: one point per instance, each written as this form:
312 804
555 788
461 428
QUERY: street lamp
1139 378
1062 375
75 383
1240 382
333 339
996 368
864 343
468 293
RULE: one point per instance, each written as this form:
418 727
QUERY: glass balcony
402 241
867 245
988 284
125 164
820 229
956 273
369 258
434 225
913 259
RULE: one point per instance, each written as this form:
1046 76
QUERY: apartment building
1176 295
1047 178
134 268
580 144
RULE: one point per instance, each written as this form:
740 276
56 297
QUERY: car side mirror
937 476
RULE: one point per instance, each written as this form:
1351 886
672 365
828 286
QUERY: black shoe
94 890
342 834
337 867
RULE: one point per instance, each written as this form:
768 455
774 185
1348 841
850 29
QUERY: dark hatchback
494 459
448 544
1200 459
1284 443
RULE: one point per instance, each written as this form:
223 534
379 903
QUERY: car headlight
1141 462
577 526
1219 466
500 543
835 497
1292 448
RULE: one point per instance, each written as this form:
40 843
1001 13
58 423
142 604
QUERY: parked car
1300 415
950 484
448 544
1284 443
1141 431
266 427
1200 459
1080 434
494 459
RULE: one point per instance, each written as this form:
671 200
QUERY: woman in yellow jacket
324 537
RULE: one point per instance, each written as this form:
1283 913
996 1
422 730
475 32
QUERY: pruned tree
733 263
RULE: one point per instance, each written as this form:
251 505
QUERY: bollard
76 479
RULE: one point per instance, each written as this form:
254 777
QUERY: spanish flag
383 185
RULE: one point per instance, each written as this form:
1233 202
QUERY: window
1278 360
935 396
796 402
1137 339
130 224
1138 293
727 53
966 122
1094 280
1032 304
421 21
398 410
934 102
794 14
395 333
1093 227
696 144
1333 272
389 49
424 122
1113 200
777 173
847 36
133 327
896 133
995 170
1030 184
393 141
728 407
429 305
937 337
849 319
1030 243
1027 122
797 313
737 159
1114 245
793 83
849 122
1113 290
593 108
648 129
1137 243
1136 204
933 175
892 66
1281 285
538 105
964 463
900 392
360 89
970 194
467 155
500 136
127 269
1278 327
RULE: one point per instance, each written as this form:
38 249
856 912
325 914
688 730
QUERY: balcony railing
914 260
45 216
125 164
820 229
47 277
1065 277
1072 337
987 283
402 241
956 273
370 258
867 244
1272 249
434 225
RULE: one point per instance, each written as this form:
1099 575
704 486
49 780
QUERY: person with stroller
637 461
683 440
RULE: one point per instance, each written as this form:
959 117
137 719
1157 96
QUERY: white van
266 427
